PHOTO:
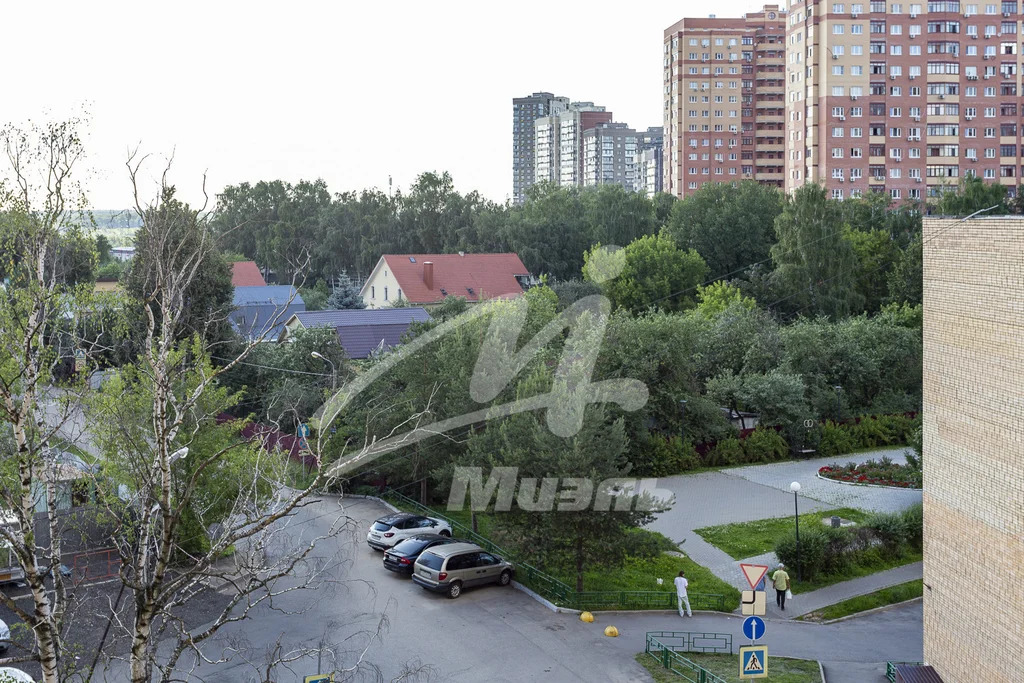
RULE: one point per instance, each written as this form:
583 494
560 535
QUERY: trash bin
836 522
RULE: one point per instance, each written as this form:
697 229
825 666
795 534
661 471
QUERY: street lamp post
682 420
334 374
839 402
795 488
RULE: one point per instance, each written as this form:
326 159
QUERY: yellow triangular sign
754 573
753 665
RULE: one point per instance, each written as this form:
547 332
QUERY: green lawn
748 539
886 596
637 574
780 669
642 574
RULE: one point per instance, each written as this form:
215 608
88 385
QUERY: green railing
692 641
671 659
890 669
559 592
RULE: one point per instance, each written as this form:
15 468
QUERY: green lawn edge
880 598
780 669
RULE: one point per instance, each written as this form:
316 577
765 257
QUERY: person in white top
681 597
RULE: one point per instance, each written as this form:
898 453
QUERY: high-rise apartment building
649 155
578 118
724 94
525 110
893 97
609 155
902 98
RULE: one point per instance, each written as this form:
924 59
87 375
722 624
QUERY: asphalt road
490 633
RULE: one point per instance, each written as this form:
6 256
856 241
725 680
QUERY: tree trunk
142 666
472 520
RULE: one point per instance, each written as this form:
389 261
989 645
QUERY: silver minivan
450 568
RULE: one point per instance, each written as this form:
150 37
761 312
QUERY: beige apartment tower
974 448
724 94
893 97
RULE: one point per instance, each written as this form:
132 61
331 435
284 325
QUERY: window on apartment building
857 29
838 29
837 152
856 173
837 193
895 30
837 70
915 91
914 153
838 8
895 173
856 152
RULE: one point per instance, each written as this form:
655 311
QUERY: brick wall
974 448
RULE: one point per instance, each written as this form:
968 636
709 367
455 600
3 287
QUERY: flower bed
874 473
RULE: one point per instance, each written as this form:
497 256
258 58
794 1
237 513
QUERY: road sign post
753 661
753 628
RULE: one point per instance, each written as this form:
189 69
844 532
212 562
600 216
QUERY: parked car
402 556
451 567
8 674
387 531
5 637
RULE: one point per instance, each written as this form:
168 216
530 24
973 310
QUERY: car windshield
411 546
430 560
381 526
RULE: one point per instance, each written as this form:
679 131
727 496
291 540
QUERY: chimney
428 274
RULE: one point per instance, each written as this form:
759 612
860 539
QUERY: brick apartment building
973 448
724 93
902 98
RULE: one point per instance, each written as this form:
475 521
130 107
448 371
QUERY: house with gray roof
360 332
262 311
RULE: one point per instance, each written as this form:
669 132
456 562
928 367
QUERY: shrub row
668 456
883 472
825 551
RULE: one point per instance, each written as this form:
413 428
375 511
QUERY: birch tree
39 312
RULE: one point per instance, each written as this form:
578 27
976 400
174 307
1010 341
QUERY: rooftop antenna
389 187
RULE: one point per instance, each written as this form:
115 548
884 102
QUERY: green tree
715 298
731 227
877 254
572 540
906 279
315 297
175 238
655 273
776 396
345 294
103 249
973 194
815 264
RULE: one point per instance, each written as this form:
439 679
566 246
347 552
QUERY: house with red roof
426 279
246 274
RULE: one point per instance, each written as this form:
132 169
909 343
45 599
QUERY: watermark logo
499 362
503 486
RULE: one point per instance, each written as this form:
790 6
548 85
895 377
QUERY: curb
821 670
872 486
874 610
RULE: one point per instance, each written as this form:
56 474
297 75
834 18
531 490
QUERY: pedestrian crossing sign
754 661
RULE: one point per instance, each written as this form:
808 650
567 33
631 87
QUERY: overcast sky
351 92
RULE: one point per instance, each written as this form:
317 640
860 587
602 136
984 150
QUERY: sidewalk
803 603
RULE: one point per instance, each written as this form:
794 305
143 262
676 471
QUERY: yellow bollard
611 631
587 617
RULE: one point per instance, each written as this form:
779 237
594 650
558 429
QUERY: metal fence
558 592
890 669
669 655
692 641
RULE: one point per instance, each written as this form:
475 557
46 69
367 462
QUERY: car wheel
445 533
454 589
505 578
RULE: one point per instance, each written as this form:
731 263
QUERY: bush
913 520
765 445
835 440
813 552
726 452
890 528
666 457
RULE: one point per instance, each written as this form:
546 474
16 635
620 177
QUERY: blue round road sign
753 628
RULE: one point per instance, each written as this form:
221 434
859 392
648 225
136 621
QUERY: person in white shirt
682 599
